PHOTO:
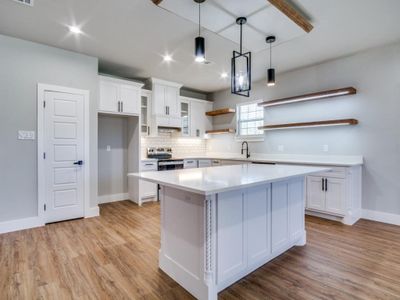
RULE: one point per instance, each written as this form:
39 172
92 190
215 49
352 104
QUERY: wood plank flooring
115 256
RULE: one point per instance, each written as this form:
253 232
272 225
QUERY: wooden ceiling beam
292 14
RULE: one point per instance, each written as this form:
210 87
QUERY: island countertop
208 181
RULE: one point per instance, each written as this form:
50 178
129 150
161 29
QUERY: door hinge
44 207
44 155
44 104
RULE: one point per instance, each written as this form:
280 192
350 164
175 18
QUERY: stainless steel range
164 158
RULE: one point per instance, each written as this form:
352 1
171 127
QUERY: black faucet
247 149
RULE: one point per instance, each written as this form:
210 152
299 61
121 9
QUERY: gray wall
22 66
113 164
376 75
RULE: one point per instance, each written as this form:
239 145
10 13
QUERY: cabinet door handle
119 106
326 184
148 130
323 184
122 106
166 110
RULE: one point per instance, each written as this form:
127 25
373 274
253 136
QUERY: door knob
79 162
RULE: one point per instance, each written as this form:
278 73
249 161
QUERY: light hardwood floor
115 257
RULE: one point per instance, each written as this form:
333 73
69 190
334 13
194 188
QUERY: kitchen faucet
247 149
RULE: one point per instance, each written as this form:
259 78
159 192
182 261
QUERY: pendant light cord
241 50
199 19
270 55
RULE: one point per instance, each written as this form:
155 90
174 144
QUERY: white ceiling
130 36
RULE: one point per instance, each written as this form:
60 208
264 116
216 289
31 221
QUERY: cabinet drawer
336 172
190 164
148 166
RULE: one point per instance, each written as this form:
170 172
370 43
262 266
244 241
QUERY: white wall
23 65
376 75
113 164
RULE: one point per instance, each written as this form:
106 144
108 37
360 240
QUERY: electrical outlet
325 148
108 148
281 148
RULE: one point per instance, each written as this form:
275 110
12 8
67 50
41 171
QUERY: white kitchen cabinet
335 194
147 190
109 92
326 194
315 193
185 117
145 113
200 123
119 96
205 163
189 164
166 102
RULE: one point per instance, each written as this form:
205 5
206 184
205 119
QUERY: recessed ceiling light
167 58
75 29
224 75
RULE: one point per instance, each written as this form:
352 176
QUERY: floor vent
26 2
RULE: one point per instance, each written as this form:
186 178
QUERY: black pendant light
241 67
271 71
199 42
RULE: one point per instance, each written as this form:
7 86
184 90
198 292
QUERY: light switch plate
325 148
108 148
26 135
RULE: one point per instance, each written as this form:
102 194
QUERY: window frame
239 136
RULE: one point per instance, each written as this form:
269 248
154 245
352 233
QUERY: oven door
169 165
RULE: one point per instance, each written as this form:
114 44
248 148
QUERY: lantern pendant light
271 71
199 42
241 67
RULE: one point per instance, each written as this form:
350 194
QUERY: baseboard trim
380 216
113 198
92 212
20 224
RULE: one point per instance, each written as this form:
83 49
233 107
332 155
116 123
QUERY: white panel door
280 215
315 193
231 245
109 94
64 148
258 223
335 196
130 98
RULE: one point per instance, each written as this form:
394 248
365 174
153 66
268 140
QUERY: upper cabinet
119 96
166 103
195 123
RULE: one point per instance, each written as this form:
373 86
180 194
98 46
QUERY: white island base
208 242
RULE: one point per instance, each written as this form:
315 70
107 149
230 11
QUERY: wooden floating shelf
312 96
222 111
341 122
221 131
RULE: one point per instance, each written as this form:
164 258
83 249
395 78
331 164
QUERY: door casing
41 89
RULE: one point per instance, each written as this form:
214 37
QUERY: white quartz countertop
323 160
207 181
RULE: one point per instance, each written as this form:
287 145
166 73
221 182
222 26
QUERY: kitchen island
219 224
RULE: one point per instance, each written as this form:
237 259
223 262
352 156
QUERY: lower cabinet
147 190
254 225
326 194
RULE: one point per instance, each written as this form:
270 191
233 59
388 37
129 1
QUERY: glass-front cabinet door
145 112
185 107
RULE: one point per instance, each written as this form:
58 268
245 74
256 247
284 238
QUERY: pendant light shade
271 77
241 67
199 42
271 71
199 49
